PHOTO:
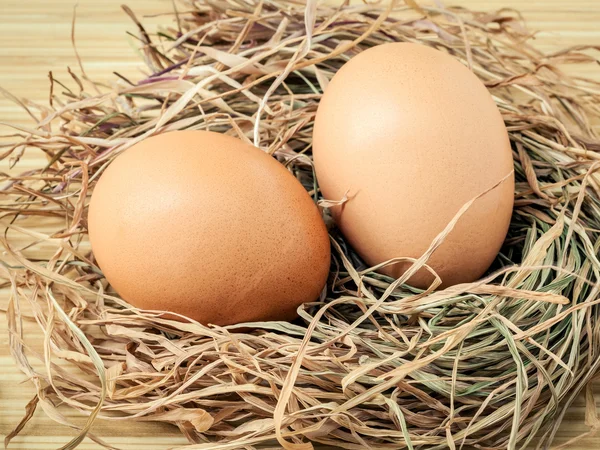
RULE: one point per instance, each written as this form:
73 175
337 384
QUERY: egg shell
413 135
207 226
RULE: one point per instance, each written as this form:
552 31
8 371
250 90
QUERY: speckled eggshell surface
413 135
207 226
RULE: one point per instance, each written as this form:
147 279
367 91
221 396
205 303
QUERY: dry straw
375 364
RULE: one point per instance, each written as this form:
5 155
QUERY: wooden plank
35 38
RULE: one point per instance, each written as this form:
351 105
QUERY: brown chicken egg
207 226
412 135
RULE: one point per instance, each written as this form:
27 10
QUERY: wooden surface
35 37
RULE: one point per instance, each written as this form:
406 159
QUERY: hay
376 364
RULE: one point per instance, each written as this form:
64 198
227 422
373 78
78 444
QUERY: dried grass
375 364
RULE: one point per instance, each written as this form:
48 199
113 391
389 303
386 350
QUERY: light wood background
35 37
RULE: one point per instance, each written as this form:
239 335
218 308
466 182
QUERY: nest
375 363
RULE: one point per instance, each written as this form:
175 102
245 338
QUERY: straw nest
375 364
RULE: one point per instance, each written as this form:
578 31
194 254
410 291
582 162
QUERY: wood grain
35 38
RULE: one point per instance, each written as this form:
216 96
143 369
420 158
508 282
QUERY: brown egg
204 225
413 135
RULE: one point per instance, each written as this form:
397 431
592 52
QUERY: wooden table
35 37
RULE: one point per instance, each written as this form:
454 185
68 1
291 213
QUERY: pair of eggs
204 225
